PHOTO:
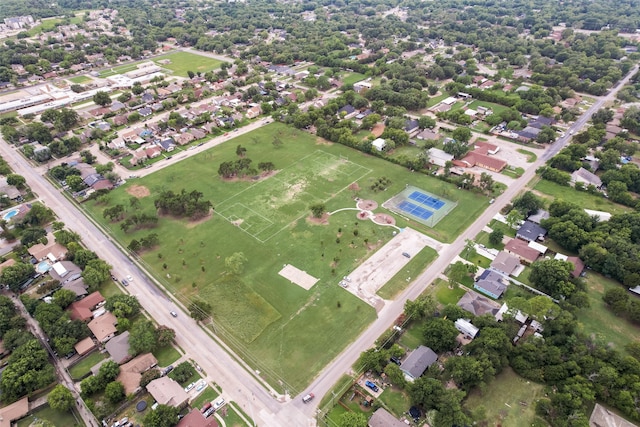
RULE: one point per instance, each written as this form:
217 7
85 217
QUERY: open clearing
284 331
183 62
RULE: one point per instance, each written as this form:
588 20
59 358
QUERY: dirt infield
139 191
297 276
367 205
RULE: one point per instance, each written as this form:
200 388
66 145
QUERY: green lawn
83 367
483 239
445 293
207 395
395 400
599 322
166 355
496 108
183 62
110 289
57 418
231 418
508 400
514 173
433 101
531 157
353 78
80 79
475 258
261 314
412 337
120 69
553 191
401 280
506 230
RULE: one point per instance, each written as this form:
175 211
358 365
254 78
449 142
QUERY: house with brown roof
83 309
383 418
104 327
253 112
475 158
168 392
7 263
14 412
153 152
505 263
185 138
197 133
131 372
521 249
41 251
196 419
84 346
77 287
578 266
477 304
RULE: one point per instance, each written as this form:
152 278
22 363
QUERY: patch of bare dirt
197 222
139 191
252 178
354 187
323 220
237 222
322 141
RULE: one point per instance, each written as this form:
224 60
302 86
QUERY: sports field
286 332
183 62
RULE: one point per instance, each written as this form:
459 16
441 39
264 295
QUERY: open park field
183 62
283 330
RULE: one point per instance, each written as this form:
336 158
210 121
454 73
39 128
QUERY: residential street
236 381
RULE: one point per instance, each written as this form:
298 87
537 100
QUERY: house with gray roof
530 232
490 283
118 348
585 177
477 304
418 361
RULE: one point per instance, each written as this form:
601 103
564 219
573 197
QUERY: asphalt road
220 367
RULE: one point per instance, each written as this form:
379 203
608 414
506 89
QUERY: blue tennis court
415 210
424 199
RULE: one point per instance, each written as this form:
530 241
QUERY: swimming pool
10 214
43 267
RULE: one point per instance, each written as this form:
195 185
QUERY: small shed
379 144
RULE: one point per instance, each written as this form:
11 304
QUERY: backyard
57 418
261 314
509 400
183 62
599 322
552 191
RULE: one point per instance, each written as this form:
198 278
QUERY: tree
486 182
114 392
183 372
528 203
462 134
546 135
514 218
28 369
317 210
395 375
552 276
199 309
235 263
16 180
163 416
353 419
64 297
75 183
165 335
420 308
149 376
426 122
458 271
142 338
456 148
469 372
102 98
123 305
14 275
495 237
60 398
426 392
241 151
373 360
440 334
617 299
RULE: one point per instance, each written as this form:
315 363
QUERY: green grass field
353 78
80 79
395 400
419 262
57 418
599 322
531 157
119 70
183 62
553 191
166 355
288 333
508 400
496 108
83 367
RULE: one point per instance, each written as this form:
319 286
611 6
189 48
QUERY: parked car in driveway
372 386
308 398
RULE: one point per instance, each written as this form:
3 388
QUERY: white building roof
59 268
538 247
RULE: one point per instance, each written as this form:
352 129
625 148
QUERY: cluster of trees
144 337
106 376
28 369
147 242
183 204
618 301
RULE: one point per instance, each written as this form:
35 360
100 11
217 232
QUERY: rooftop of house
477 304
118 347
522 249
505 263
167 392
383 418
418 361
196 419
530 231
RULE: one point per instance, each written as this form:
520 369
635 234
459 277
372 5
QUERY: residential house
383 418
65 271
361 86
539 216
490 283
84 346
466 328
147 97
484 161
602 417
361 115
167 144
348 110
51 250
530 232
439 157
153 152
578 265
253 112
411 126
83 309
185 138
14 412
77 287
104 327
166 391
505 263
428 135
542 249
418 361
118 348
485 148
379 144
116 106
131 372
120 120
522 250
195 418
197 133
518 316
10 191
145 111
585 177
477 304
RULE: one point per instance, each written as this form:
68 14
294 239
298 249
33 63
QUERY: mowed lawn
599 322
183 62
508 400
552 191
289 333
